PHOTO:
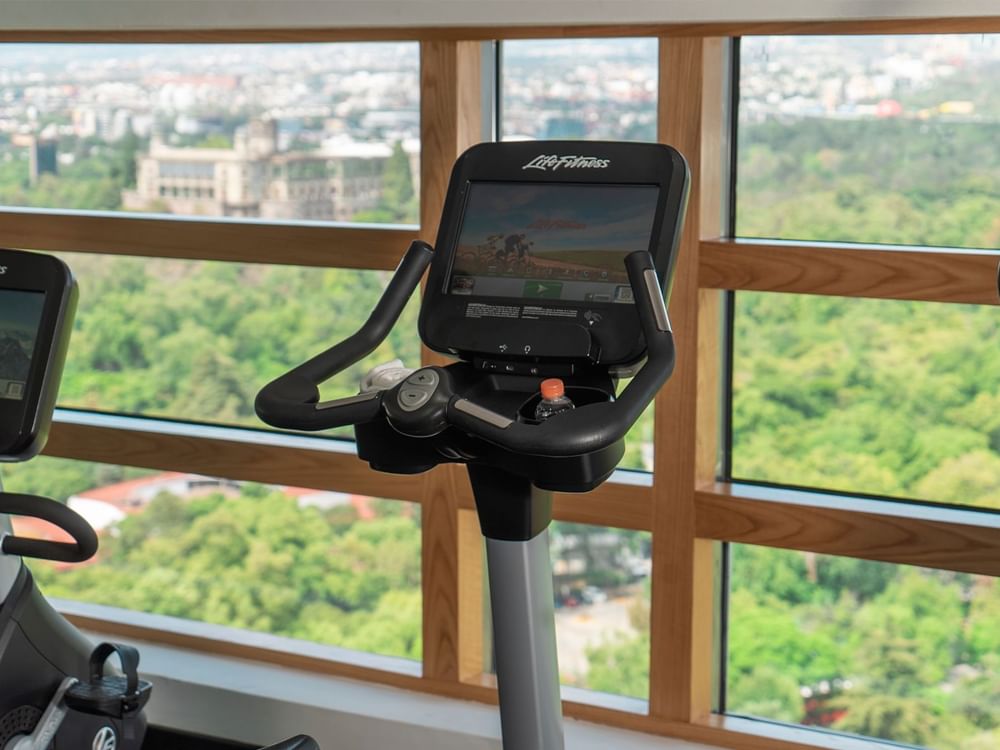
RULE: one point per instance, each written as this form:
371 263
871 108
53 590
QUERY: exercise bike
54 691
57 690
616 210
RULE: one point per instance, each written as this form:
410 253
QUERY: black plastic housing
560 334
24 423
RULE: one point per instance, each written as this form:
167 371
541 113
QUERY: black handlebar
292 400
594 426
84 543
299 742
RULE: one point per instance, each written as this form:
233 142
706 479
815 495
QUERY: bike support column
515 516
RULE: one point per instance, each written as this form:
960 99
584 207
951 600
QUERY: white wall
250 702
159 14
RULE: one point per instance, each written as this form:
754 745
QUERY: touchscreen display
551 241
20 316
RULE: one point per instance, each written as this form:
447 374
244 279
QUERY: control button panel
548 369
565 339
417 389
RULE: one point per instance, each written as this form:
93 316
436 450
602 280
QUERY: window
601 584
316 565
593 89
878 397
196 340
819 156
104 126
587 89
873 139
895 652
870 139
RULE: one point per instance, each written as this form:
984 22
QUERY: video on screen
20 316
552 241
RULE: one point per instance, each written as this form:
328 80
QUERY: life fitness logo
546 162
3 270
105 739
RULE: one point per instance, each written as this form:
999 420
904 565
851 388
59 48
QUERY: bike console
37 302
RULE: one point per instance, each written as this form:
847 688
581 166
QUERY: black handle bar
84 543
292 400
299 742
594 426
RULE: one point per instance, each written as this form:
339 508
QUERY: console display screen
20 316
551 241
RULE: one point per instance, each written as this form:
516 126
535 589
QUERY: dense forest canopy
260 561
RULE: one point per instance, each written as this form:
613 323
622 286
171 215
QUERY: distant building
42 158
578 556
255 179
327 500
104 506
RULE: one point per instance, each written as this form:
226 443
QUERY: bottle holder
580 395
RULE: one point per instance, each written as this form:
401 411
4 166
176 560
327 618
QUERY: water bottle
554 399
385 376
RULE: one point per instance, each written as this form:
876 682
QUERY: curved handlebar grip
84 543
299 742
292 400
660 352
595 426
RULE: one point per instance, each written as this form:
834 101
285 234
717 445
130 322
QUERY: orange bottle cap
553 388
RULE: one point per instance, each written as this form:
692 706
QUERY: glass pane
196 340
872 396
594 89
870 139
602 585
888 651
639 442
325 132
586 89
321 566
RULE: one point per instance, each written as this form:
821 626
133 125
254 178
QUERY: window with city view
870 139
593 89
841 139
194 340
874 140
320 132
583 89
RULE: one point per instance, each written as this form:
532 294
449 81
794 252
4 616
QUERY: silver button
411 399
427 378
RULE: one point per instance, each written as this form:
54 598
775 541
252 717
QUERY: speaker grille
18 721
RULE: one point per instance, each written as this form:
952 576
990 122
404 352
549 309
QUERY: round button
411 399
426 378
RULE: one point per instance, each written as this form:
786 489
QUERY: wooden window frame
684 507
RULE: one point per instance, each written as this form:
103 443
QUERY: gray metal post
524 637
